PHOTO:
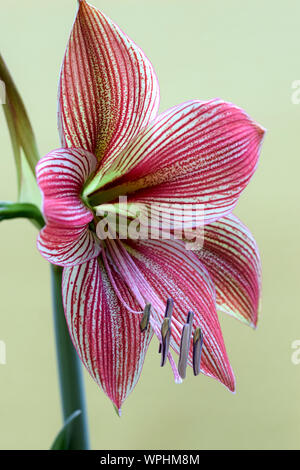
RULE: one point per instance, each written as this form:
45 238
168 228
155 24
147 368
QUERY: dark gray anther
169 308
189 321
184 350
146 317
165 338
185 345
190 318
197 349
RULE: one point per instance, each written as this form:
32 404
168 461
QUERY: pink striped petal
61 175
231 256
107 337
66 239
108 90
196 155
155 271
67 246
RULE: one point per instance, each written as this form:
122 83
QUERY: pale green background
246 52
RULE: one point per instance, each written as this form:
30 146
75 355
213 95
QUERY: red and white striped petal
66 239
231 256
107 337
67 246
155 270
108 89
61 175
198 155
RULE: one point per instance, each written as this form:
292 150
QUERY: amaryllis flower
118 292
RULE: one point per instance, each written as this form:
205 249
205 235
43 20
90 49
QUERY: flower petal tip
231 385
117 410
261 131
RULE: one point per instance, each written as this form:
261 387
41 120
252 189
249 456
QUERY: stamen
168 314
146 317
197 349
169 308
184 350
178 379
190 318
144 293
117 258
157 304
189 321
165 337
111 278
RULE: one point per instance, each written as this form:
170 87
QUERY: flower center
113 193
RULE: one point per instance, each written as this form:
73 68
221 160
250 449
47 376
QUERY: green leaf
20 129
13 210
63 437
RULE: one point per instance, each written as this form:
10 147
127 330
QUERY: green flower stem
13 210
69 369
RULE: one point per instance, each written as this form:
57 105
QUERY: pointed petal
197 153
108 90
107 337
231 256
66 239
162 270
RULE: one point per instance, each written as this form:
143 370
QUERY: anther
197 349
169 308
168 314
190 318
146 317
185 343
165 337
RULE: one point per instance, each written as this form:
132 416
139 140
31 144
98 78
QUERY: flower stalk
14 210
69 369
